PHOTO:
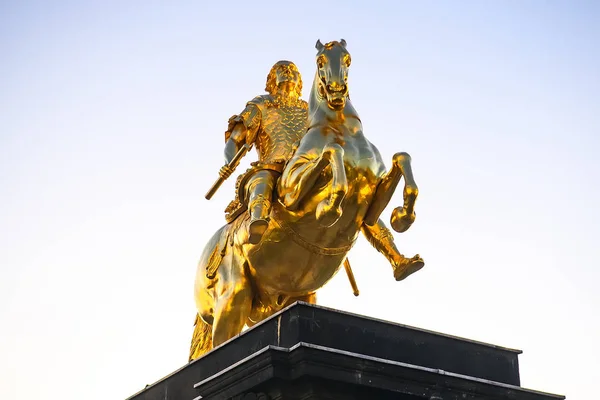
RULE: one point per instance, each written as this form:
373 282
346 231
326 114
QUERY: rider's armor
274 126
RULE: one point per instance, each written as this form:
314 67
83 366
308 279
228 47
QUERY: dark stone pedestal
311 352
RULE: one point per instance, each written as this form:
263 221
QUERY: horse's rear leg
329 210
261 313
233 303
402 217
211 263
310 298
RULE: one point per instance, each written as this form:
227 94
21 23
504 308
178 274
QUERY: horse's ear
343 43
319 45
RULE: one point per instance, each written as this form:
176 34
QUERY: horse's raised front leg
329 210
298 177
402 217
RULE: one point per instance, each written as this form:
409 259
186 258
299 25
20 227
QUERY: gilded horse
334 186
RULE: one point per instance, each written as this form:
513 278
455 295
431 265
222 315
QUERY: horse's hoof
400 220
328 215
256 230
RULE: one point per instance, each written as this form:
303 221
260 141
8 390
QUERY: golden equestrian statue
274 123
332 187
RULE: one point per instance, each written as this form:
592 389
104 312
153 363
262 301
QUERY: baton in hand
233 165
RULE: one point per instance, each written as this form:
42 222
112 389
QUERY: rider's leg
260 193
382 240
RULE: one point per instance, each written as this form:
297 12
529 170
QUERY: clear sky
112 116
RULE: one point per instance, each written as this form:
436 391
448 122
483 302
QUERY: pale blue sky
111 130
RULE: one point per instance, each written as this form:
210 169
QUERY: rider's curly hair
271 82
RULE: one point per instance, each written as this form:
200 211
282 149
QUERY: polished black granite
312 352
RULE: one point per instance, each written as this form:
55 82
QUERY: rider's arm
242 129
235 142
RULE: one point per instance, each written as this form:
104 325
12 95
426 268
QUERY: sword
351 277
233 165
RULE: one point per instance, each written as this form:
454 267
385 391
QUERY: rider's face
287 74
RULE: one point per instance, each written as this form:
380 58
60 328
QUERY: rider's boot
259 218
382 239
403 267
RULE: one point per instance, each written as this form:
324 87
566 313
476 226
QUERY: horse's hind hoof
327 215
256 230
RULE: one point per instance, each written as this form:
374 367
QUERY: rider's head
284 77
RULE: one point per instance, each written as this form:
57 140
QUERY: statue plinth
311 352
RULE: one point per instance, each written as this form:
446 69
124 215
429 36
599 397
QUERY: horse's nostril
335 87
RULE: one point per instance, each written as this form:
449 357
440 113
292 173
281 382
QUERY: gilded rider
274 123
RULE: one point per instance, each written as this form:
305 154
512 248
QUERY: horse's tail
201 339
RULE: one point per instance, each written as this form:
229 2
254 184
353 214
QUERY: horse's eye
321 62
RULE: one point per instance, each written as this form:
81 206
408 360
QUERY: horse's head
333 62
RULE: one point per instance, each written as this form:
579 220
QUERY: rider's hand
225 171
